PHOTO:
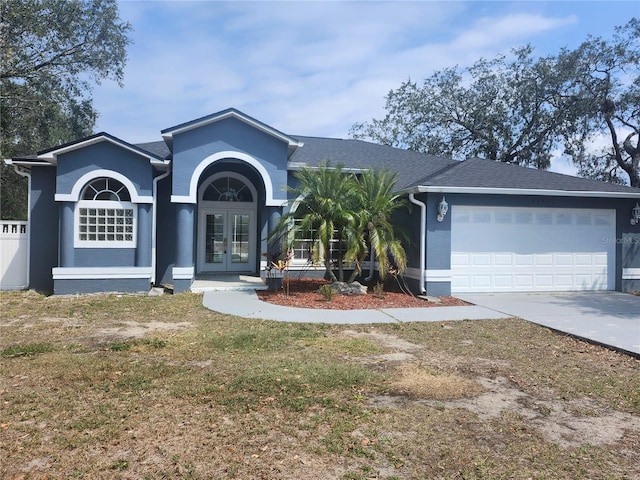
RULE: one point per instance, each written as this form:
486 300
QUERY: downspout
154 223
27 175
423 247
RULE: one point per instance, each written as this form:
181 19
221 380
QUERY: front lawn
121 386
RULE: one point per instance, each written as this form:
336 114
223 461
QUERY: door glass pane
215 251
240 238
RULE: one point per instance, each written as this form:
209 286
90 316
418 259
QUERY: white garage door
502 249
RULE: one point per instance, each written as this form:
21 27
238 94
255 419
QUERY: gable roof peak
168 133
50 155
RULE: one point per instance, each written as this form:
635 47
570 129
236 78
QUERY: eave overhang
521 192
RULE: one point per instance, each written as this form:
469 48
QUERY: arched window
105 188
105 216
227 189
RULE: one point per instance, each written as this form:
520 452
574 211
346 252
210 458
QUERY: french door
226 240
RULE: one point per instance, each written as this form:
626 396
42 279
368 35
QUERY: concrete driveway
609 318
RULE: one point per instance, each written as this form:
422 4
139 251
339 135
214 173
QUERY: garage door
499 249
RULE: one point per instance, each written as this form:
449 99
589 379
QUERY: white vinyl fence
14 255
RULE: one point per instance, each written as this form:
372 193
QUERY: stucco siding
165 233
43 229
108 156
120 285
104 257
230 135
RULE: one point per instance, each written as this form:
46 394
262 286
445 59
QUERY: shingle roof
351 153
481 173
422 170
159 149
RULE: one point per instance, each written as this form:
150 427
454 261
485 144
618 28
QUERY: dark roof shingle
359 154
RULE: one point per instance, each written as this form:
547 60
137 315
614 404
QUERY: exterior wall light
443 208
635 215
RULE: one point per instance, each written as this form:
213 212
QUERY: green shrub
327 292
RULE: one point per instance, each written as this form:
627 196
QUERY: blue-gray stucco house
107 215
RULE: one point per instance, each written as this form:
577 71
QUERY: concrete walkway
245 303
607 318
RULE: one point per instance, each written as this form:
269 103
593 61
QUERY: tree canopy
523 109
52 53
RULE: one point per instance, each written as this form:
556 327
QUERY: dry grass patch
415 382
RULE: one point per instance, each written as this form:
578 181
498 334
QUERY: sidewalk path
245 303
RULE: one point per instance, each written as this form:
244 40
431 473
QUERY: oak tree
52 54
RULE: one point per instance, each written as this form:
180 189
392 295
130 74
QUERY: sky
317 68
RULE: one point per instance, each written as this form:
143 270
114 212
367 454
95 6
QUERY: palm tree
376 204
355 212
326 209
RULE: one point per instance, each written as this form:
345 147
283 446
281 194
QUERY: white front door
226 240
518 249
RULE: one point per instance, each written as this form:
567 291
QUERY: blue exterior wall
438 244
166 233
104 257
190 149
70 168
104 155
193 146
43 229
124 285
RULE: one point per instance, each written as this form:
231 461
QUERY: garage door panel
524 281
481 281
503 259
563 281
545 259
480 260
460 259
600 260
583 259
503 281
526 260
564 260
531 249
544 281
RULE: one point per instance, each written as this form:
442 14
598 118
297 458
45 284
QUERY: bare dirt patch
132 329
303 293
559 421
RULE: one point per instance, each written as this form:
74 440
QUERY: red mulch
304 294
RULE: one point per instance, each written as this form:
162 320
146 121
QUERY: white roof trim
524 191
27 163
249 121
74 196
52 156
296 166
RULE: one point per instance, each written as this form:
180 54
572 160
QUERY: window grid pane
105 224
303 246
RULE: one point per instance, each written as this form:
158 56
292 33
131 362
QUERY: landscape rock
345 288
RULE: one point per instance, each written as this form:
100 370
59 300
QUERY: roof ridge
453 164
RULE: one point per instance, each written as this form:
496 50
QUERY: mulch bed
303 293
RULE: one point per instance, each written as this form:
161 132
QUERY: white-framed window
303 247
105 216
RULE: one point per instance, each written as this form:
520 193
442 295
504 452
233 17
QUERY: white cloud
310 68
